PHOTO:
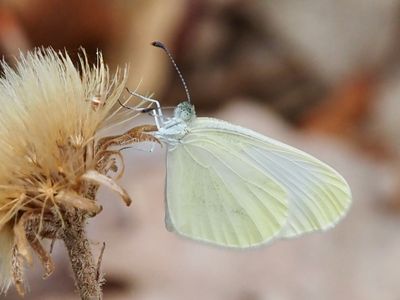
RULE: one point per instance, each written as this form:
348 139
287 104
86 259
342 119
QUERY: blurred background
321 75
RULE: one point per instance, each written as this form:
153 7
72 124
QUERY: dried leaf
17 272
106 154
44 257
73 199
134 135
344 108
21 240
96 177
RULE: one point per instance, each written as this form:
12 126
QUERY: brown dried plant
53 158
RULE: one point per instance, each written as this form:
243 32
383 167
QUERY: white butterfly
231 186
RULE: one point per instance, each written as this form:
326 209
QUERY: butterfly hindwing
318 196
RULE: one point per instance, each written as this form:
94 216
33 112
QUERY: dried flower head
52 155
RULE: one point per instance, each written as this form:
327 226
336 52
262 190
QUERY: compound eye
184 111
185 115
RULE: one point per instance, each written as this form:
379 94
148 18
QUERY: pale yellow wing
217 195
318 196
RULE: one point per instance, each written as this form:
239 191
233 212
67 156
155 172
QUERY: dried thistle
53 158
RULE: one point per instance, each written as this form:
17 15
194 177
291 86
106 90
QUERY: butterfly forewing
217 195
318 196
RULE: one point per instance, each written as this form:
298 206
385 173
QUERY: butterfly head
185 112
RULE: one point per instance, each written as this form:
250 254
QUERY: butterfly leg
158 115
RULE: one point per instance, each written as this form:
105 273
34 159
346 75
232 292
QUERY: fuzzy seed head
51 113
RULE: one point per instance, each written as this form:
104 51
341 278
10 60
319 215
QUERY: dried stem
81 257
87 275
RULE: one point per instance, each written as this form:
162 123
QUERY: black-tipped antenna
162 46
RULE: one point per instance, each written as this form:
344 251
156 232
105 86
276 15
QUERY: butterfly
230 186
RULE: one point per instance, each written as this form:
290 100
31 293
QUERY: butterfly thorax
175 128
